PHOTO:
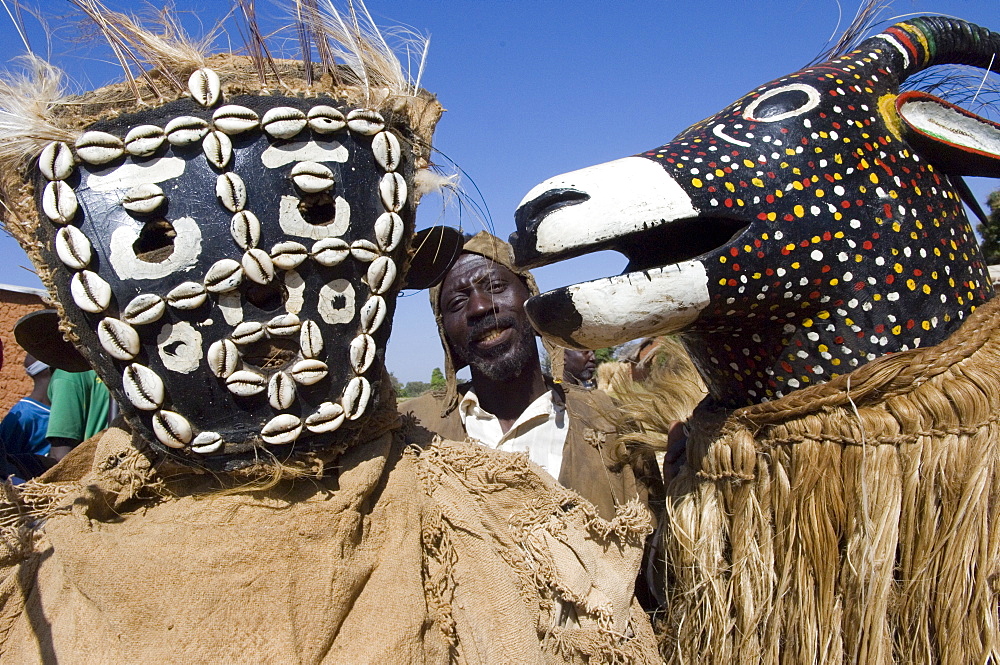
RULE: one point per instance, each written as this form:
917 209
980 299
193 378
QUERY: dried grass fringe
854 521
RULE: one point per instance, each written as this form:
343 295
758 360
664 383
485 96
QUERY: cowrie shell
90 292
362 353
185 130
312 177
218 149
59 201
392 189
283 122
381 275
144 140
283 325
73 248
288 255
388 231
245 228
206 443
257 266
188 295
144 308
99 147
365 121
231 191
281 429
233 119
281 391
308 371
248 332
143 387
326 119
118 338
224 275
245 383
223 358
205 86
310 339
330 251
356 397
364 250
144 199
56 161
328 417
372 314
385 145
172 429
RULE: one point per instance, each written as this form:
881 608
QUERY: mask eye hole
784 102
155 243
267 297
318 209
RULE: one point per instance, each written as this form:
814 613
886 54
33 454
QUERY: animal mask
804 230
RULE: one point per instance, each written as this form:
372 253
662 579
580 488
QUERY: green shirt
80 403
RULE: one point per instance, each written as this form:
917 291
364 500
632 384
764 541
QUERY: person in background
580 368
23 429
80 409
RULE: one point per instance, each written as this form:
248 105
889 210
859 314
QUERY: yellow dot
757 182
799 212
835 361
874 178
696 182
877 296
771 216
814 239
730 186
819 193
807 323
797 185
823 348
897 329
722 282
722 259
927 289
926 325
898 268
795 265
824 315
834 282
747 163
719 173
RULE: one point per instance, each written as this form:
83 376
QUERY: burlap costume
853 521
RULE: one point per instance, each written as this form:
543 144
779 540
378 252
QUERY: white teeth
99 147
248 332
143 199
188 295
245 383
326 119
328 417
388 231
172 429
381 275
233 119
312 177
365 121
308 371
73 248
144 140
310 339
385 145
218 149
362 353
56 161
283 122
364 250
288 255
330 251
118 338
284 428
144 308
356 397
206 443
245 229
283 325
372 314
392 188
223 357
186 130
143 387
258 266
231 191
205 86
224 275
90 292
59 201
281 391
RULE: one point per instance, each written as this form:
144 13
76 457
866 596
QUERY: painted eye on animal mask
787 101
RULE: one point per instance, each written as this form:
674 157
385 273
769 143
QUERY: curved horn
925 41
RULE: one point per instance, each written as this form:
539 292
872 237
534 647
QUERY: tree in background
605 355
990 231
437 379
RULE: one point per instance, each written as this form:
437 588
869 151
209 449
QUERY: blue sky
536 88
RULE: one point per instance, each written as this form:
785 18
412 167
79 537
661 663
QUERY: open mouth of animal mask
231 268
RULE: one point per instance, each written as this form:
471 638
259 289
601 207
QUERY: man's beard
504 361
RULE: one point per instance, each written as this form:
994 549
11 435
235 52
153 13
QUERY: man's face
579 366
482 305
